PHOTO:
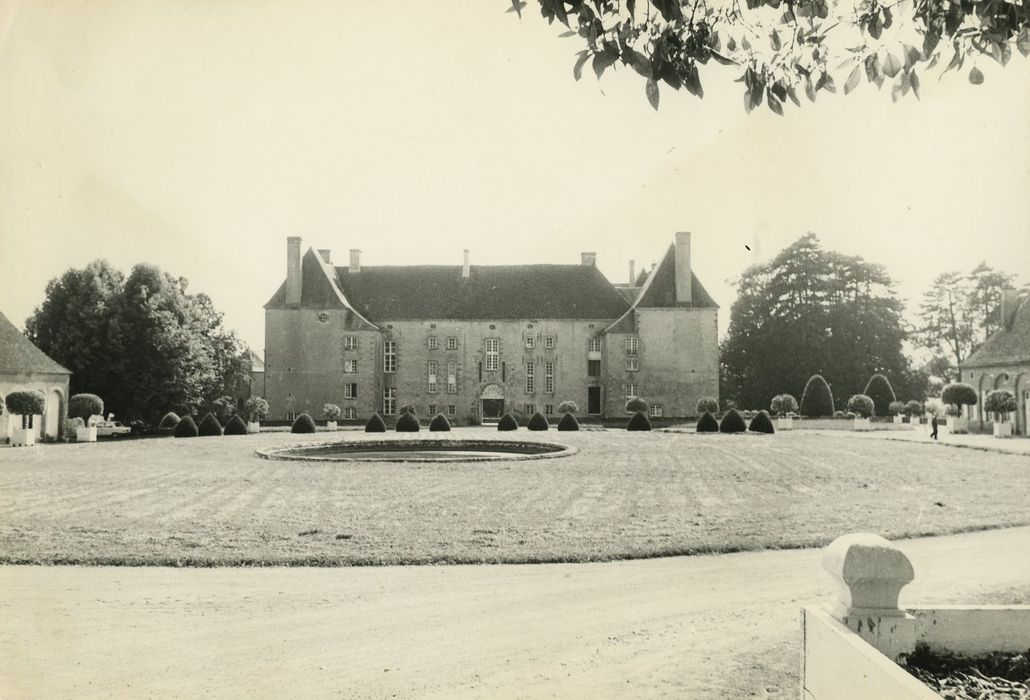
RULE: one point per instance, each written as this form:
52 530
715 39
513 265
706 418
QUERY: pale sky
199 135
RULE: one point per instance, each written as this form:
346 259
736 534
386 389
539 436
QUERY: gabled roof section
1008 345
19 356
490 292
319 288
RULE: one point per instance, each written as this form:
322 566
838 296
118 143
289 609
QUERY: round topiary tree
879 389
407 423
26 404
782 404
568 422
84 406
761 424
236 426
817 400
913 408
1000 403
568 407
331 411
537 422
636 405
186 428
958 395
639 421
168 422
303 424
707 404
256 408
439 424
209 426
507 422
375 424
861 405
707 423
896 408
732 422
407 408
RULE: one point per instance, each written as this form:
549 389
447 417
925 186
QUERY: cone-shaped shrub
209 426
761 424
168 422
303 424
732 423
639 421
707 423
186 428
879 389
375 424
507 422
817 401
407 423
568 422
439 424
235 426
537 422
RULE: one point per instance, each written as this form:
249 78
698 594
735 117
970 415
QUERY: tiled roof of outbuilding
19 356
1007 346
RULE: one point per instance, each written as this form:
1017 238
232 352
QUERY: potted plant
85 406
784 406
331 412
896 409
26 404
256 408
959 395
862 407
913 409
636 405
568 421
1000 403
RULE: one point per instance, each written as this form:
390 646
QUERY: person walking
933 424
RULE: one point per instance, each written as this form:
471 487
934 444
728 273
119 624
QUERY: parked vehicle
111 428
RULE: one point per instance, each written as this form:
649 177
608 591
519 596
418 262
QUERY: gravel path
705 626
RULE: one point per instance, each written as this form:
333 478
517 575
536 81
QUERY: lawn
211 501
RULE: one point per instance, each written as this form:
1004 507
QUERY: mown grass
212 502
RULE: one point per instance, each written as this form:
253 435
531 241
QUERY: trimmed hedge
879 389
26 403
537 422
862 405
439 424
209 426
732 423
303 424
235 426
707 423
375 424
761 424
85 405
959 394
639 421
186 428
568 422
816 401
169 421
507 422
407 423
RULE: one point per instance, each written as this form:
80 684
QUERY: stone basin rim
288 452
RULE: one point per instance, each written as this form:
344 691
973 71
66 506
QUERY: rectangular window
549 377
632 345
291 415
350 365
529 409
548 409
389 401
390 356
493 354
452 377
350 342
594 345
632 364
451 410
655 410
631 391
432 410
432 377
593 368
432 342
530 341
530 379
350 391
549 342
452 343
350 413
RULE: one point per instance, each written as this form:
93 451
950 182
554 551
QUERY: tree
817 399
256 408
85 406
959 395
26 404
783 404
1000 403
780 49
861 405
879 389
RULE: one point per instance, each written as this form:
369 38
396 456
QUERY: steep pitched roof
19 356
1008 345
320 288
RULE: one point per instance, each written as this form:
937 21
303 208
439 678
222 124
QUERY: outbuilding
24 367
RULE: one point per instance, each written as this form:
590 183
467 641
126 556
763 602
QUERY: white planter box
330 425
786 423
862 424
23 437
899 419
958 424
253 427
86 434
915 423
1003 430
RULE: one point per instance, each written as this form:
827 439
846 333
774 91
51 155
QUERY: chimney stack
355 260
632 272
588 259
293 273
327 255
465 269
684 276
1009 302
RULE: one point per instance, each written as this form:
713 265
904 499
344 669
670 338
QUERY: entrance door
493 409
593 400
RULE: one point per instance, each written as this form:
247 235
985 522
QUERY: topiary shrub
761 424
375 424
236 426
256 408
85 405
568 422
303 424
707 404
958 395
439 424
838 414
186 428
913 408
1000 402
73 424
168 422
816 401
568 407
407 423
732 423
26 403
407 408
782 404
879 389
636 405
209 426
707 423
331 411
507 422
862 405
537 422
639 421
896 408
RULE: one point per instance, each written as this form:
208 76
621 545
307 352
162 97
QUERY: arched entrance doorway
491 403
52 417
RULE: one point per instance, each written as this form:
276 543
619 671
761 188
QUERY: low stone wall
845 424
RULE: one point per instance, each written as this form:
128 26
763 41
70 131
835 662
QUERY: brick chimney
355 260
293 272
684 276
327 255
588 259
632 272
1009 302
466 271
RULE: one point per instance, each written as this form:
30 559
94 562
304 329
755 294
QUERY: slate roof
1006 346
19 356
660 291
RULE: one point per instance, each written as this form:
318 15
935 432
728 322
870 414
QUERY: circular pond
418 451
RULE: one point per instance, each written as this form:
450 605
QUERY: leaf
975 76
853 80
872 69
793 95
1023 42
693 82
566 35
516 7
892 65
638 62
774 103
652 92
874 26
774 40
670 9
829 84
912 55
577 70
914 79
748 104
888 19
722 59
757 91
601 62
631 5
809 89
